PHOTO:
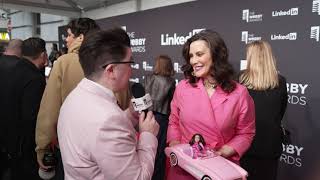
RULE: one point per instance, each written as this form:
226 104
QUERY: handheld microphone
141 101
48 160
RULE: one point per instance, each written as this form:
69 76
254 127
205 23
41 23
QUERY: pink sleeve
245 129
174 127
118 154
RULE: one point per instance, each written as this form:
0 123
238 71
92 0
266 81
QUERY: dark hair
102 47
82 26
191 142
163 66
55 46
33 47
64 50
221 69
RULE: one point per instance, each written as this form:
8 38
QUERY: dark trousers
159 165
59 166
260 169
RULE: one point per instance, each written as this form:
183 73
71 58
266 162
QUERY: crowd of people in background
83 115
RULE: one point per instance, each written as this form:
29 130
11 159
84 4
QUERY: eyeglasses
120 62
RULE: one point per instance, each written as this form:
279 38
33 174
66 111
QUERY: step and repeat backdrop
290 26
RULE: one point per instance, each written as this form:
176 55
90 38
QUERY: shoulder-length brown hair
221 70
163 66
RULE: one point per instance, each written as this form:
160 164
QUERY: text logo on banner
297 93
177 67
314 33
137 44
291 36
135 80
167 40
291 155
250 16
247 38
146 66
316 6
290 12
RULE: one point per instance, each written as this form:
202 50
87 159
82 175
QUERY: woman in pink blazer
210 103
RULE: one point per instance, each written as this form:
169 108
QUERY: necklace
209 85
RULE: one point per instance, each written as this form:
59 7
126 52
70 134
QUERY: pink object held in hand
207 167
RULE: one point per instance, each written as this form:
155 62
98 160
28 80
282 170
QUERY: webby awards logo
137 43
247 37
297 93
251 16
291 155
314 33
316 6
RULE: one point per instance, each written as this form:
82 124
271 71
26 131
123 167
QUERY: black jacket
22 86
270 106
161 90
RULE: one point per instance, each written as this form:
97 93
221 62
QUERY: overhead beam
40 5
73 5
103 4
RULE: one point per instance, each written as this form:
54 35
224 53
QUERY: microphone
141 100
48 160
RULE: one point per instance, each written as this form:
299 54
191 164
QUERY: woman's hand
226 151
173 143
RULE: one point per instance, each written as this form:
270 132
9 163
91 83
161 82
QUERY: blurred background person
53 53
63 50
21 92
210 103
161 85
64 76
268 90
97 138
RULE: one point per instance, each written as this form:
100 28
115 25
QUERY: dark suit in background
22 86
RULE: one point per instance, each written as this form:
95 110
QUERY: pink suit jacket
98 140
222 119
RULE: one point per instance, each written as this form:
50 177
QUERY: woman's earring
192 73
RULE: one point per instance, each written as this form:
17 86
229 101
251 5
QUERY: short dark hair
163 66
221 70
102 47
82 26
33 47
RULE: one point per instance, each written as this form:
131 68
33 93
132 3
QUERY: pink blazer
98 140
222 119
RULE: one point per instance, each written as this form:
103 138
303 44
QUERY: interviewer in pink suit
97 138
210 103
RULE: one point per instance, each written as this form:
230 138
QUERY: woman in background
161 85
268 90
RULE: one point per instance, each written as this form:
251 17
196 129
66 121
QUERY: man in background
22 86
64 76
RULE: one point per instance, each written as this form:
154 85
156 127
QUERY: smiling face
197 138
200 58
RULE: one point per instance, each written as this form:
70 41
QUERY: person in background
210 103
161 85
22 85
268 90
53 54
97 138
64 76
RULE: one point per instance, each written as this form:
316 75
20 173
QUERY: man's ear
109 71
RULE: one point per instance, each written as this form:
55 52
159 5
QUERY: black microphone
141 101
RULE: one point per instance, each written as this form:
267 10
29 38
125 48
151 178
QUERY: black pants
59 167
260 169
159 165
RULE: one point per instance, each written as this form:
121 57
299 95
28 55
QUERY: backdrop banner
291 27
